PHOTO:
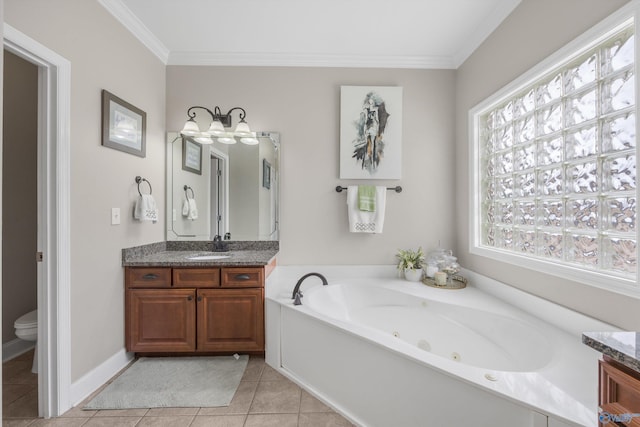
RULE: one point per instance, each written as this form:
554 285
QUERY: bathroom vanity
619 376
181 301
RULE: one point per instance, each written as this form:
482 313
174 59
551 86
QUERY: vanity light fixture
217 127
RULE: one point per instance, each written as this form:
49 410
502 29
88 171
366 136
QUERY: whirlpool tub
387 352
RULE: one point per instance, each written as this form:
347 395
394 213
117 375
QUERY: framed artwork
370 132
124 127
191 156
266 174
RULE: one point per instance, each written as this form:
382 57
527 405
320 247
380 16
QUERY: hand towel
193 210
363 221
185 207
190 209
367 198
146 208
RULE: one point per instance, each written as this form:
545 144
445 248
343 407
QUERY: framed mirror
234 193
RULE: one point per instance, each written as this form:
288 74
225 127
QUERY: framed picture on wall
124 127
370 132
266 174
191 156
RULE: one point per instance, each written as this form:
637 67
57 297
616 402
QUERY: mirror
226 190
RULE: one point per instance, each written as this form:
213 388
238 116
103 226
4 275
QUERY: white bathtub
387 352
466 335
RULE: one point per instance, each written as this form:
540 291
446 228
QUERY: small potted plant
410 262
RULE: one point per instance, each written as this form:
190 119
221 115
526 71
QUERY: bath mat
177 382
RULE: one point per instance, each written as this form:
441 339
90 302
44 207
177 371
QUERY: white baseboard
16 347
97 377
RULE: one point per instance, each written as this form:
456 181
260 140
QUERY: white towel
193 210
190 209
146 208
362 221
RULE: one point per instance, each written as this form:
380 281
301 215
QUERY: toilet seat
27 321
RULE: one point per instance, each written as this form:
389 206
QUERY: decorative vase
413 274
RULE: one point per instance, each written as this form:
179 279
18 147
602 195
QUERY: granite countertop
623 347
175 254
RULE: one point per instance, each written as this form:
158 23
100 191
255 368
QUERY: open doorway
219 197
19 236
53 224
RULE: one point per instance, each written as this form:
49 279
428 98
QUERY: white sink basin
207 257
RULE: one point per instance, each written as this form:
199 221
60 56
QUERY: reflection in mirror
227 190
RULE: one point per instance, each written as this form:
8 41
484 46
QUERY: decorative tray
453 282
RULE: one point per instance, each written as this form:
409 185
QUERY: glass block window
557 163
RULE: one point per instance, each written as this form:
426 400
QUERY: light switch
115 216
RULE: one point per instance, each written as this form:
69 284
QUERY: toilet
27 329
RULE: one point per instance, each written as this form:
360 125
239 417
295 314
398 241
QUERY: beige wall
19 192
103 55
303 105
534 30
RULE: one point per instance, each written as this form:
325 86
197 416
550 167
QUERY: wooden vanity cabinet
619 393
194 309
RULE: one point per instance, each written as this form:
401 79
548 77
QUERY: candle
441 278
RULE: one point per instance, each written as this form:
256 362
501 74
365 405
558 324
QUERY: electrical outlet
115 216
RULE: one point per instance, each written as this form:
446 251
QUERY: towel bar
397 189
139 179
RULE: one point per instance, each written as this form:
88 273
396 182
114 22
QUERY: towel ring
139 179
187 188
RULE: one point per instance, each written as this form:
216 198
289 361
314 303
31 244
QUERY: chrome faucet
218 245
297 294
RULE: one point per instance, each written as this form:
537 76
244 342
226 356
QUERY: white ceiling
332 33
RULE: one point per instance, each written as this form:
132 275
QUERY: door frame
221 192
54 272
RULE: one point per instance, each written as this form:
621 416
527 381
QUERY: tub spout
297 294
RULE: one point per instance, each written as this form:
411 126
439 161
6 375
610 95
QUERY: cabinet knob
190 298
242 277
150 276
199 298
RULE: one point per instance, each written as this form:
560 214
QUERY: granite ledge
623 347
174 254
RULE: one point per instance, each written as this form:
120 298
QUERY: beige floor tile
272 420
59 422
319 419
110 421
308 403
218 421
19 373
121 413
240 403
171 412
254 369
174 421
279 397
17 422
78 412
270 374
24 407
12 392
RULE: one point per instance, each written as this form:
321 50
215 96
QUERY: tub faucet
297 294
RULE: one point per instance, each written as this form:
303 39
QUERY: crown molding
309 60
131 22
488 26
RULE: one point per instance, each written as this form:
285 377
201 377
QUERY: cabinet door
161 320
230 319
619 395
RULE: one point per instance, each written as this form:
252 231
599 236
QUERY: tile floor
264 398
